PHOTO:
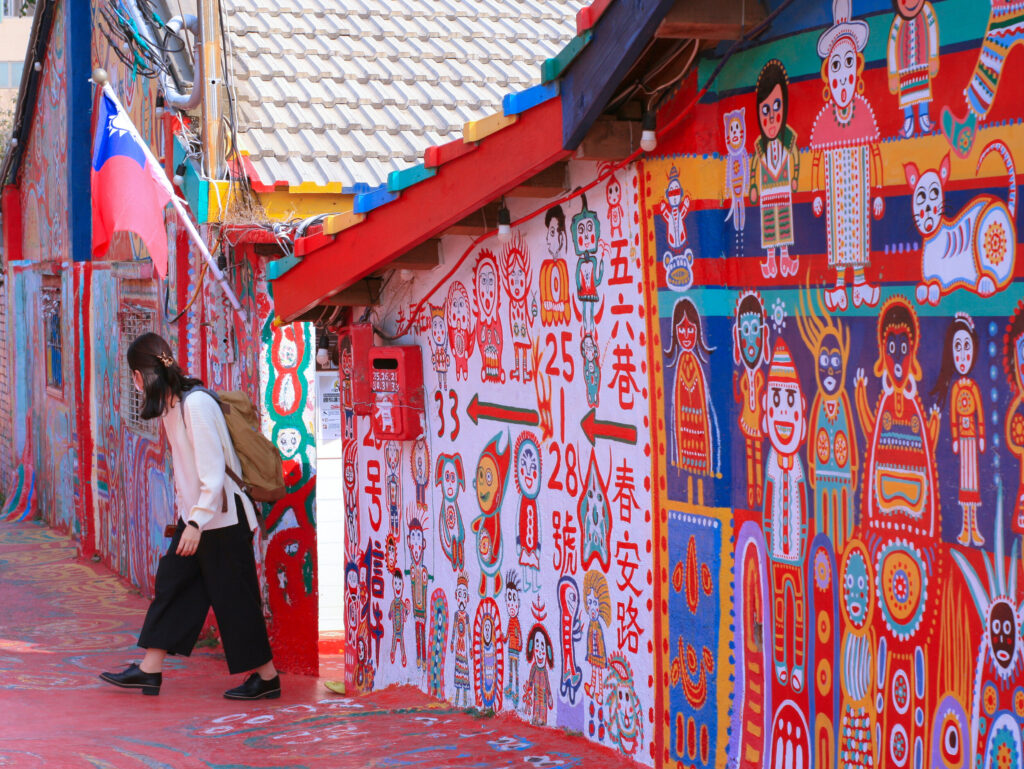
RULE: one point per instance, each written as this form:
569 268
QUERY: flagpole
186 220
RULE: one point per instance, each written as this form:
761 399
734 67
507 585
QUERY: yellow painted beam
476 130
337 222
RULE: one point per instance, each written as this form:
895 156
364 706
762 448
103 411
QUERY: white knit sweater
199 445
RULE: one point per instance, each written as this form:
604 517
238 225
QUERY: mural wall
502 560
838 347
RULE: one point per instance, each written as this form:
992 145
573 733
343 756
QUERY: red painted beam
588 15
10 203
501 162
439 154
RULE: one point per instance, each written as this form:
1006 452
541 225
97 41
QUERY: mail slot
396 379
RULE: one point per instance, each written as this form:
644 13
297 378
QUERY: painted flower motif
822 572
990 699
1017 429
995 242
778 315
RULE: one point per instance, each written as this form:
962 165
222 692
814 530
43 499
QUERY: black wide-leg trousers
221 574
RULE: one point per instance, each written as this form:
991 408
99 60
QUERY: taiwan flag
129 189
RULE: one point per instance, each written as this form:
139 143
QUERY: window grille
53 335
133 321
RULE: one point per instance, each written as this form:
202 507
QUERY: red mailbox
355 342
396 379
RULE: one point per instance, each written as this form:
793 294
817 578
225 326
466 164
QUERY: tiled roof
346 91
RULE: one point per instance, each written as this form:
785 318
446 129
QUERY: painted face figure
350 476
897 354
288 351
626 710
830 364
751 327
392 454
517 281
842 72
487 484
613 192
963 352
458 311
528 469
785 416
438 330
686 333
593 605
391 553
487 288
735 133
856 589
770 113
512 602
674 193
288 440
398 583
588 349
415 541
908 9
586 234
462 596
1002 632
553 239
487 630
540 650
450 481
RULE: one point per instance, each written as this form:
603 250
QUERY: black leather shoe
255 688
132 677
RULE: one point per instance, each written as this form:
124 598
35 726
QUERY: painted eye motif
951 742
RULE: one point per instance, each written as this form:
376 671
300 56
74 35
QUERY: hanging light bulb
504 223
649 139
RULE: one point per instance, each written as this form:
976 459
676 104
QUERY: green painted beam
553 68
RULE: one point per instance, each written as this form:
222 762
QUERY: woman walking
210 560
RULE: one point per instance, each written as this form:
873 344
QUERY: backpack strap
227 470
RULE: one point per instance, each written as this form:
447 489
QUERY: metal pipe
172 96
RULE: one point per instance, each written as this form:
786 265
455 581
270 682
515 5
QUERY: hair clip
166 360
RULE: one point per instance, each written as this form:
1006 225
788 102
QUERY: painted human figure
784 421
420 461
912 58
678 260
516 276
595 518
737 166
589 268
489 336
461 333
350 476
537 693
776 167
528 483
555 303
691 445
613 197
488 663
1005 32
832 446
750 353
398 613
513 636
591 366
599 609
622 707
572 632
347 397
966 418
489 484
460 642
900 517
997 722
844 139
450 477
1013 362
440 358
857 748
393 486
418 579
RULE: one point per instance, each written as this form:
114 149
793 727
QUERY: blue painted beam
620 35
375 198
278 267
515 103
405 178
78 17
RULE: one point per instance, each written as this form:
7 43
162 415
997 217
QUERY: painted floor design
63 620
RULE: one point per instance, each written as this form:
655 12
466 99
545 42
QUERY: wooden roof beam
549 183
720 20
425 256
477 223
360 294
610 139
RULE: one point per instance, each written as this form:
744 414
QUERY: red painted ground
63 621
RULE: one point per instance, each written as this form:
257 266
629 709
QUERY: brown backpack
262 469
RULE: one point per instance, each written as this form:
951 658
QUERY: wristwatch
193 523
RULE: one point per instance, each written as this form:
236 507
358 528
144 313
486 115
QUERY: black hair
772 74
549 652
512 580
397 573
948 368
163 379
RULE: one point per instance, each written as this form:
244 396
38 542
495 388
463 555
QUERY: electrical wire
195 294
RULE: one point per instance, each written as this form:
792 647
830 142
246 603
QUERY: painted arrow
613 431
478 409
